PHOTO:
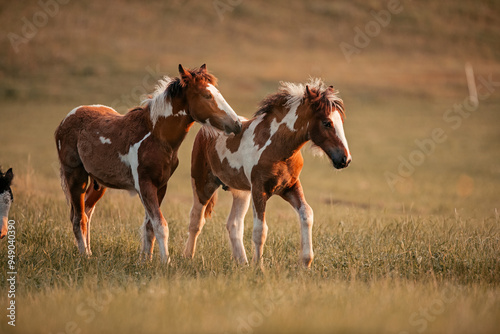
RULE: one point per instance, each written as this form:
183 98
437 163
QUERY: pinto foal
265 160
99 148
6 199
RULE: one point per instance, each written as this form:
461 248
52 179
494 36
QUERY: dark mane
175 86
5 183
271 101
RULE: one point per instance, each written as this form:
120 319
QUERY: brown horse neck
286 142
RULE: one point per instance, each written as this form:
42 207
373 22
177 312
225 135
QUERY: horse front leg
236 223
148 234
148 239
295 196
154 218
260 228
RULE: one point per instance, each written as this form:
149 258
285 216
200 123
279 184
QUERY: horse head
206 104
327 126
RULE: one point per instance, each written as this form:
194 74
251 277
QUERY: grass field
420 256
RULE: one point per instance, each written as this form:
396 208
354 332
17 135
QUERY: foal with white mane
265 160
6 199
99 148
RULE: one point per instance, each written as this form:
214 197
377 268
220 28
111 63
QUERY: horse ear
308 92
9 175
203 67
185 75
310 95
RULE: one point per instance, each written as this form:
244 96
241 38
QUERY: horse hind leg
93 194
148 241
259 233
235 224
77 182
203 201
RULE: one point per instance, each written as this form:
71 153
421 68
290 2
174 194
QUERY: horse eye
207 96
327 124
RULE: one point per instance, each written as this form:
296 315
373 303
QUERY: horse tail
210 205
64 184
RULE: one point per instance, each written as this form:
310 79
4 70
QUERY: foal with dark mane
99 148
265 160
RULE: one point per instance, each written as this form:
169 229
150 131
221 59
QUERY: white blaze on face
339 130
221 102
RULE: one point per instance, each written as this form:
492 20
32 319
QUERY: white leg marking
160 229
259 236
235 224
306 222
196 222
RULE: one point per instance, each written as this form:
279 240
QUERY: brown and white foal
265 160
99 148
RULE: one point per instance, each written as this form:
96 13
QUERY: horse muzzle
340 161
235 128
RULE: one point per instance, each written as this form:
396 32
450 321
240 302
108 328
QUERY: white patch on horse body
101 106
105 140
72 112
249 153
181 113
159 106
339 129
221 102
131 159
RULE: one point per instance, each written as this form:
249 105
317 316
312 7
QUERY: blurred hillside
111 52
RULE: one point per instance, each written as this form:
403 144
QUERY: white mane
158 104
297 92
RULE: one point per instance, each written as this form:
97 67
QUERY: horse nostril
348 162
238 127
